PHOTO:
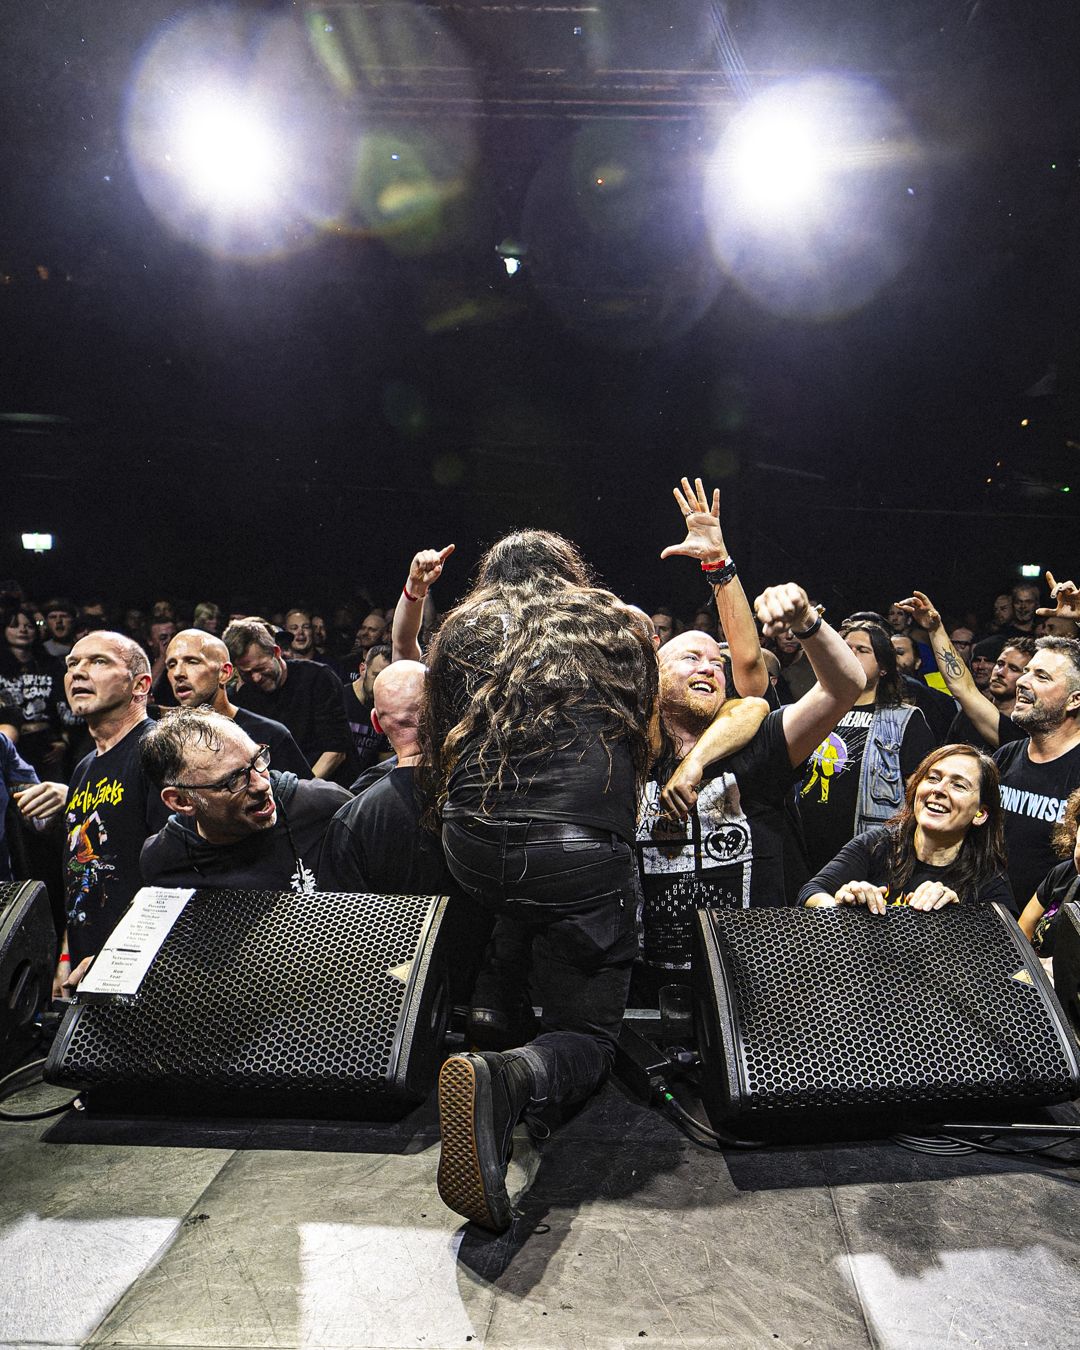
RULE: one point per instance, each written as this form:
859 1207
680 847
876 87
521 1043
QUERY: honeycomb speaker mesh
273 1003
834 1011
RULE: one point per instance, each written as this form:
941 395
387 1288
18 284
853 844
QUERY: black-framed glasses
238 781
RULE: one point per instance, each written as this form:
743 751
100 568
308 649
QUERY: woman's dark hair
891 690
1063 835
38 654
531 659
982 853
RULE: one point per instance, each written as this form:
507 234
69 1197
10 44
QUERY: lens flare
809 196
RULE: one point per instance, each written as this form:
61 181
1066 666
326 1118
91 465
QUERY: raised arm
981 713
705 541
424 570
840 678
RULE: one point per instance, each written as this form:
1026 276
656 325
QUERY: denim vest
881 784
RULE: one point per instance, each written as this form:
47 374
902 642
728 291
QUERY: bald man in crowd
199 670
111 808
375 842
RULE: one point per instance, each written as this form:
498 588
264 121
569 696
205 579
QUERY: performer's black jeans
572 888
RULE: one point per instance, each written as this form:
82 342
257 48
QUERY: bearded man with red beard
720 831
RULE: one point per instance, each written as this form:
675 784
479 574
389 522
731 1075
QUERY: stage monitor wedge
824 1016
27 963
264 1003
1067 963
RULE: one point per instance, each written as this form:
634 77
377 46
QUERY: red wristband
405 592
716 566
64 956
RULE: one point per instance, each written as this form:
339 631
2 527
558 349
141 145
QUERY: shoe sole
470 1180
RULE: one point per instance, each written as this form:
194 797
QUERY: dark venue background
191 422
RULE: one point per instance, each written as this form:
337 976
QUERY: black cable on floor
684 1118
18 1081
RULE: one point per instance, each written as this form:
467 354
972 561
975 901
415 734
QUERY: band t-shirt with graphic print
111 809
1033 798
830 789
729 854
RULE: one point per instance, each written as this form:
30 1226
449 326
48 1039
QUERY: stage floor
282 1234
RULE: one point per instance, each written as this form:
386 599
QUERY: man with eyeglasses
235 821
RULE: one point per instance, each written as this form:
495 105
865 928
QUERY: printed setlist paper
122 963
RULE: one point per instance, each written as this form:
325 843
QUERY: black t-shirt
1033 797
285 755
1058 886
729 853
375 843
961 732
368 742
37 690
309 703
828 798
111 809
575 778
939 709
867 858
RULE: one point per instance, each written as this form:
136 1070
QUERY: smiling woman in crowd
945 845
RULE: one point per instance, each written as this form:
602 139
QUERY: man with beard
719 831
199 670
1039 772
236 822
723 831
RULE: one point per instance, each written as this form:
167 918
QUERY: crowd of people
586 771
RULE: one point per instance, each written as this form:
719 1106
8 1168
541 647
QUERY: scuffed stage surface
283 1234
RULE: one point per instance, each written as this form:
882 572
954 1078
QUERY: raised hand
782 607
921 609
426 568
1066 600
704 538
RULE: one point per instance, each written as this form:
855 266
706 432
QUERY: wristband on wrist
719 573
412 599
65 956
807 632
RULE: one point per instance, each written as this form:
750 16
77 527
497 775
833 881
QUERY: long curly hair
982 853
1063 835
533 660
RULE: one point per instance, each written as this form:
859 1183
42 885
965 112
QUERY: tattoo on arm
952 663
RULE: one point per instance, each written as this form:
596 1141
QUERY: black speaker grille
841 1009
262 993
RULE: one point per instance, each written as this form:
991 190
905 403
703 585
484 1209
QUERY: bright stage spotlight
815 195
227 152
775 163
238 140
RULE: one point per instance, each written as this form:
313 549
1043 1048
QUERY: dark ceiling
303 422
